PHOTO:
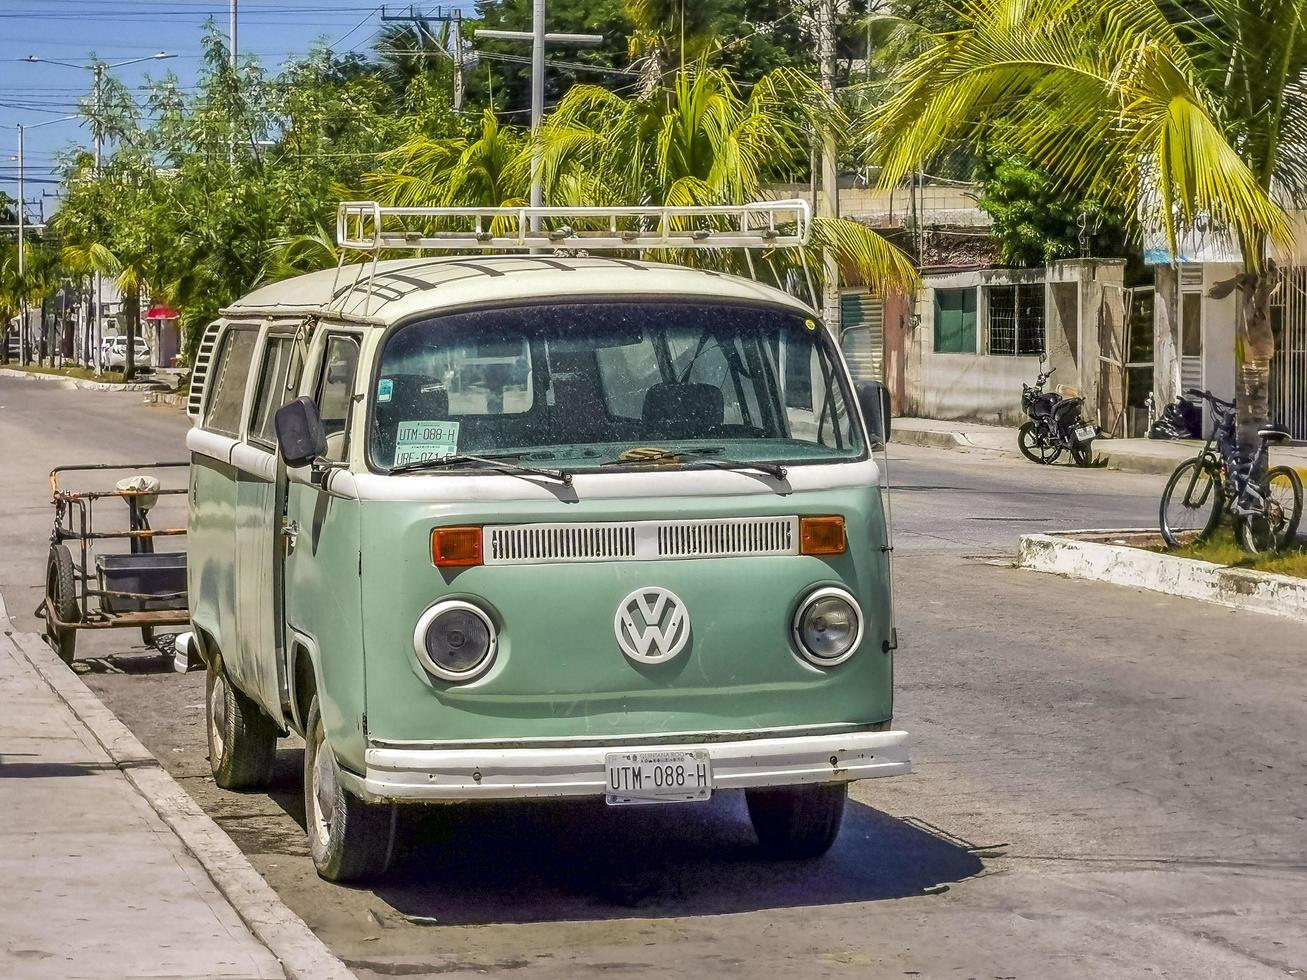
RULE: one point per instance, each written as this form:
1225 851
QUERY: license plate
1085 433
657 777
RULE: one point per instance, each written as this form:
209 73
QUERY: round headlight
455 640
828 627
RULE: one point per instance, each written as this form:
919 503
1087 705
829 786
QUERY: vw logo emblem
652 625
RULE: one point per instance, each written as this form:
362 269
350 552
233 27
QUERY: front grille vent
735 537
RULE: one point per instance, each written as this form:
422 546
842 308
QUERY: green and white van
516 526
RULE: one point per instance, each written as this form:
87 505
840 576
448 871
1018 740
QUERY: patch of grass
80 373
1222 549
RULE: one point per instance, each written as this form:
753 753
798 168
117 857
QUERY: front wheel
1034 445
350 840
797 821
1191 504
242 739
1276 527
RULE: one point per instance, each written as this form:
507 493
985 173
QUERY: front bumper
417 774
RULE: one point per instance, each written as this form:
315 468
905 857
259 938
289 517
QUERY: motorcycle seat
1273 434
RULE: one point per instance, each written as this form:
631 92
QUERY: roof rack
367 226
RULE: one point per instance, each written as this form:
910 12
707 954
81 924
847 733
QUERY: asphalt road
1109 783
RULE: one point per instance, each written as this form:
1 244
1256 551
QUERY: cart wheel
147 635
61 595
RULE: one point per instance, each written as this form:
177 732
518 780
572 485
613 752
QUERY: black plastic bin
156 574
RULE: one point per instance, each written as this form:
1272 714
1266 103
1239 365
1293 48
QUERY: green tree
1169 114
1036 221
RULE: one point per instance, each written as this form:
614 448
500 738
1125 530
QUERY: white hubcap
324 791
218 716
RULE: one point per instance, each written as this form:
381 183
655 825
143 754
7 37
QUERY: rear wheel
1035 446
1082 453
1277 526
242 739
61 598
797 821
349 839
1191 504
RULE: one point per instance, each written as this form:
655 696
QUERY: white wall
979 387
974 388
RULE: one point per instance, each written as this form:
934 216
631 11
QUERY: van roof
402 288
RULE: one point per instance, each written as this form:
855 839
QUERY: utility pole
828 203
539 41
232 34
22 218
537 101
456 24
97 325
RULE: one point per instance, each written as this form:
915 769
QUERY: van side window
335 389
278 358
227 391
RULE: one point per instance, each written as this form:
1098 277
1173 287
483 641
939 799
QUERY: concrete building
973 337
1194 333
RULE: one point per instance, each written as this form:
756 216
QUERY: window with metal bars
1016 319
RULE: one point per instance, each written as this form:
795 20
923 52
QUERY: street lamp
98 69
22 227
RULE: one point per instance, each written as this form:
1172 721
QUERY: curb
1077 555
165 398
302 954
77 382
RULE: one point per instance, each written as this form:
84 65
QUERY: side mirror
874 400
300 436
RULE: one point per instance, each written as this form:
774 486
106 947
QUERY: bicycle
1266 515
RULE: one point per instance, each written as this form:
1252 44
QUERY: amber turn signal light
456 547
821 535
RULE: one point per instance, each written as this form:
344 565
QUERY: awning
161 313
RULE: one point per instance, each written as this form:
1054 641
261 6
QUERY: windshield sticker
385 388
423 440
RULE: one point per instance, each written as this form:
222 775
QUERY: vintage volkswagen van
539 527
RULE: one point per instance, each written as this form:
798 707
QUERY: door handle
290 532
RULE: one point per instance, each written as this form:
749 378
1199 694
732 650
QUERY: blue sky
118 30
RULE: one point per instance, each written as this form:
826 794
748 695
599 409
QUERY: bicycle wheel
1191 504
1275 528
1033 446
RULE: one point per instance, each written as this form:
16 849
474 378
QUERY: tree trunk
1254 348
132 307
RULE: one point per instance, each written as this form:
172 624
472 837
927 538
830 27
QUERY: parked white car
113 353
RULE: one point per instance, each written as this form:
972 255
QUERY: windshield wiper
710 459
502 463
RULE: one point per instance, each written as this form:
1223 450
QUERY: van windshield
592 384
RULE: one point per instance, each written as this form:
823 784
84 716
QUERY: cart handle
85 467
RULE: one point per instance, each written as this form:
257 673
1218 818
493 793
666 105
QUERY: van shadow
541 862
563 860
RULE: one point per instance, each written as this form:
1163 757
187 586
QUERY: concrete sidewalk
96 883
1130 455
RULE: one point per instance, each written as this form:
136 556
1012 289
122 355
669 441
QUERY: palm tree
699 140
476 170
1174 115
696 140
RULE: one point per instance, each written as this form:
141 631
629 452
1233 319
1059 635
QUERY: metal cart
88 589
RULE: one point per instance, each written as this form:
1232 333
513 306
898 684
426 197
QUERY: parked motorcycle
1055 425
1182 419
